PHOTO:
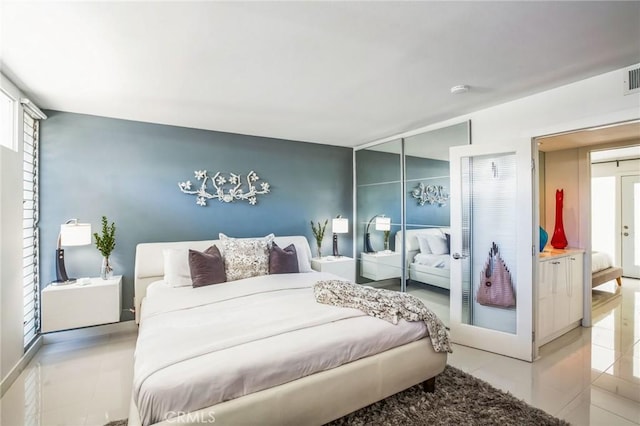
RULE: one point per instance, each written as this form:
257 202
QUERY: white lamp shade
340 225
75 234
383 224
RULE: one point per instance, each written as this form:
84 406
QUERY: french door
491 219
630 219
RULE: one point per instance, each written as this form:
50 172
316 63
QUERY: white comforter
600 261
206 345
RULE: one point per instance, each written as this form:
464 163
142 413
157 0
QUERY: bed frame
312 400
438 277
601 277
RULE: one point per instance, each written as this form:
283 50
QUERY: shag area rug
459 399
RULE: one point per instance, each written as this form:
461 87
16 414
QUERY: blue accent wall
129 171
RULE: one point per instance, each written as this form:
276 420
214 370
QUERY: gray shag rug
459 399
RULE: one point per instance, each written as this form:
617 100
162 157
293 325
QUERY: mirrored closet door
379 215
403 214
428 210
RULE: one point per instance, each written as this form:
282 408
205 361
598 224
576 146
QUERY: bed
427 254
603 270
233 352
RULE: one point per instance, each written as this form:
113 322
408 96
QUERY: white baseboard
8 380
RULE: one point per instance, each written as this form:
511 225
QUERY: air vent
632 80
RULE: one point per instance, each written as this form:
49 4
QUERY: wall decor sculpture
432 194
226 188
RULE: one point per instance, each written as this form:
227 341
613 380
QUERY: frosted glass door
492 248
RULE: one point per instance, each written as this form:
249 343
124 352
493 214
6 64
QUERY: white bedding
600 261
433 260
198 347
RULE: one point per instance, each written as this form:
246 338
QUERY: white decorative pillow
246 257
438 244
423 243
176 267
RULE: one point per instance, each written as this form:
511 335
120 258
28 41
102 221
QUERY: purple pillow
283 261
206 267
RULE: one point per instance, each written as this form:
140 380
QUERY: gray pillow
283 260
206 267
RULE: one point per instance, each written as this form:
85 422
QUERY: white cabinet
81 305
560 293
342 266
381 265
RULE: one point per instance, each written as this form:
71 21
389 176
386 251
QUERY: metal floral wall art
432 194
226 188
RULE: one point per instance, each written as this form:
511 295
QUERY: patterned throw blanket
384 304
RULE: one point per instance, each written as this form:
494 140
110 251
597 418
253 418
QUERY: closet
402 191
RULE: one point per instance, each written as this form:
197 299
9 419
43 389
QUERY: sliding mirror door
427 212
379 215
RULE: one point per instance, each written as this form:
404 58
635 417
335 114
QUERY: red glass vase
559 239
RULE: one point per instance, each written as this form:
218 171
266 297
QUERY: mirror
379 214
380 191
428 214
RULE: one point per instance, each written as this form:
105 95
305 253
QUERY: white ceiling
341 73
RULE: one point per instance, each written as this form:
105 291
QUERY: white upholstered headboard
149 263
413 246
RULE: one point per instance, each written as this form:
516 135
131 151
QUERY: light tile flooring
590 376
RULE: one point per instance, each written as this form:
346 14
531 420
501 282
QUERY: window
30 237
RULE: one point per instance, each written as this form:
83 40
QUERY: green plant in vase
318 232
105 244
386 240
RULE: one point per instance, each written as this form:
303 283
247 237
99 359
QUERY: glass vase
319 250
106 271
559 239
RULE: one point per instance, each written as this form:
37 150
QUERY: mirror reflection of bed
428 266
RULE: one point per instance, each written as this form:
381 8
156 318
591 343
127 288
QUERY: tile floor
590 376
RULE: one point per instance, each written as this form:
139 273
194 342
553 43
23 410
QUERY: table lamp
339 225
382 224
71 233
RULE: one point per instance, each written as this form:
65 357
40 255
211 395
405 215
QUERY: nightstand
381 265
81 305
342 266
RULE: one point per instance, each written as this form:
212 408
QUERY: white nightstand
76 305
381 265
342 266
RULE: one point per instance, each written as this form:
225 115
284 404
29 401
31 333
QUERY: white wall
11 298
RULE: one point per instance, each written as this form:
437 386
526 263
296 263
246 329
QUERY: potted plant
386 240
105 244
318 233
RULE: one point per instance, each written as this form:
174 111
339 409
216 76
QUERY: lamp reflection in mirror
382 224
71 233
339 225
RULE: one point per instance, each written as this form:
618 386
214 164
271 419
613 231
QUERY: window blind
30 233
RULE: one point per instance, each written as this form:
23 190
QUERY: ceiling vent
632 80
